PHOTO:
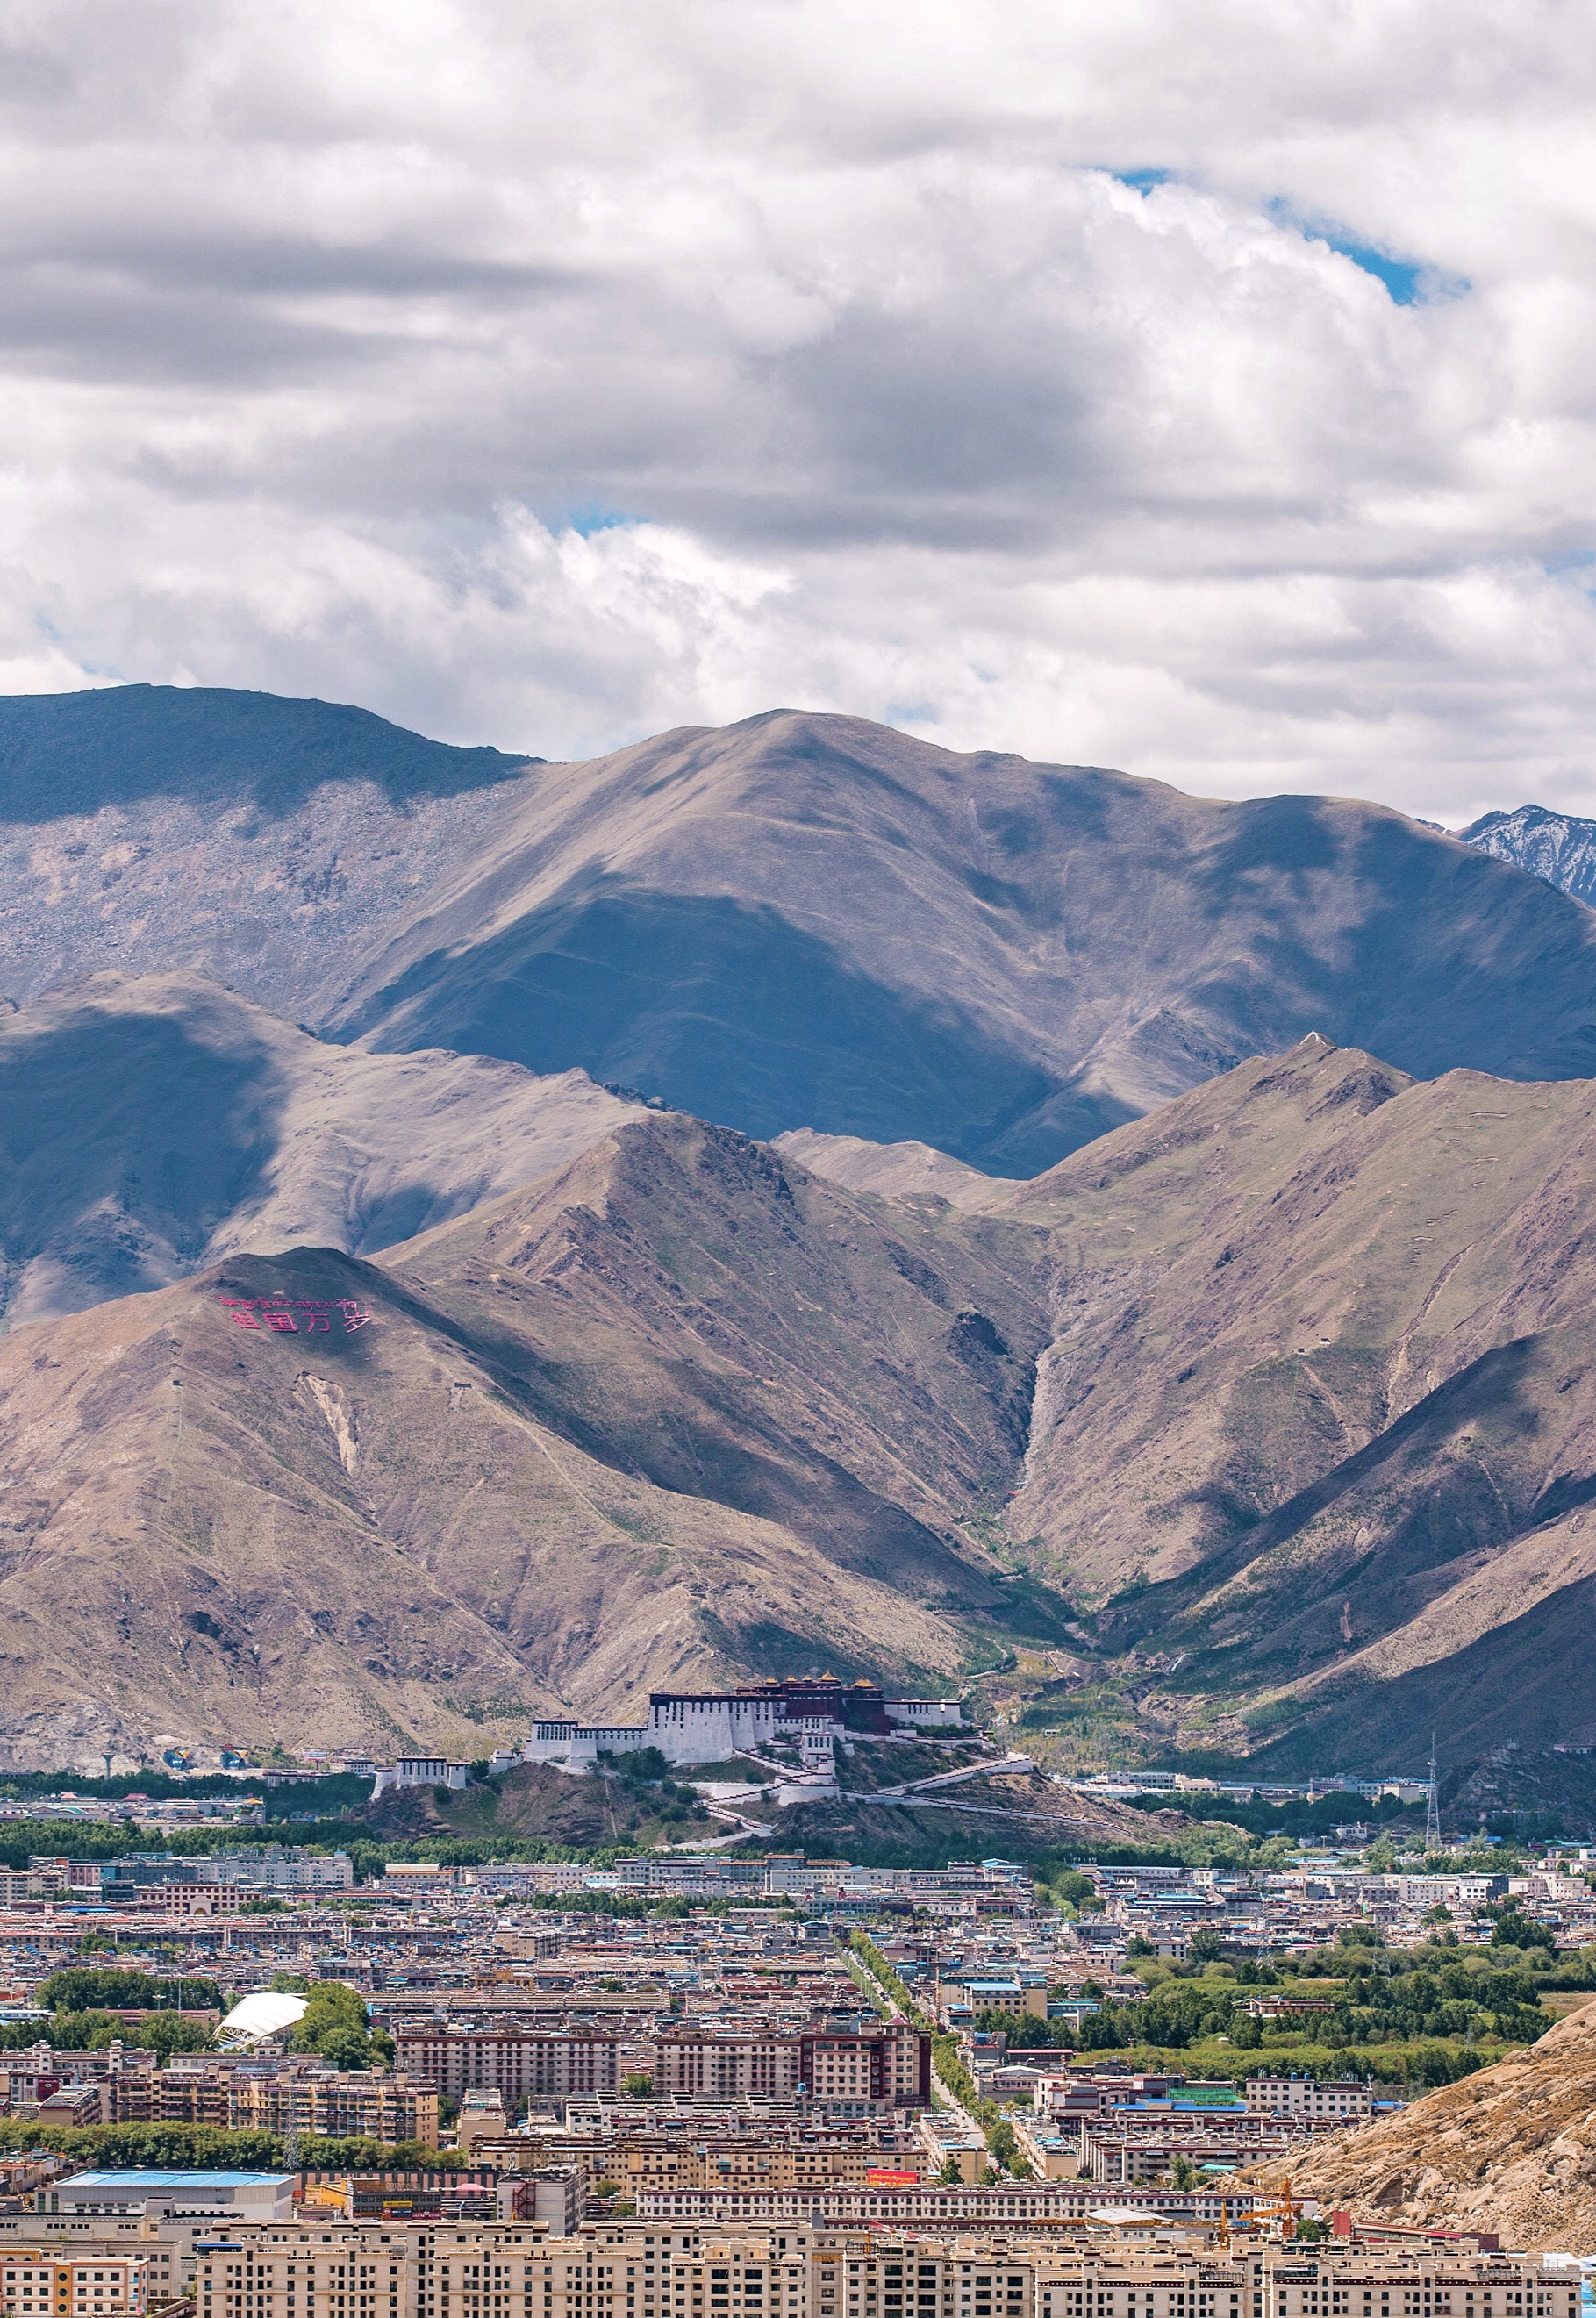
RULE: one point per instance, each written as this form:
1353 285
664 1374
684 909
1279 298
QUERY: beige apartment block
533 2066
41 2282
642 2269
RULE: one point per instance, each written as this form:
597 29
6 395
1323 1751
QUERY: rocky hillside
1511 2150
679 1413
1557 847
797 921
265 842
1318 1415
150 1125
1273 1416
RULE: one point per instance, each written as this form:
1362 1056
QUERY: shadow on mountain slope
71 752
125 1140
730 1012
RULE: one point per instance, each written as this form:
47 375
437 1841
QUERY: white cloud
327 332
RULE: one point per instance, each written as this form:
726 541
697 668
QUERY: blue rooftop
143 2177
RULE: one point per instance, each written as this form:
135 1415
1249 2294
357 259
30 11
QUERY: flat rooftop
141 2179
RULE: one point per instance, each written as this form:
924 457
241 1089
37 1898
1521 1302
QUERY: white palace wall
708 1730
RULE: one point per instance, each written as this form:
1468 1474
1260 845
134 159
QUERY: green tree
166 2033
83 1987
1514 1930
335 2024
638 2084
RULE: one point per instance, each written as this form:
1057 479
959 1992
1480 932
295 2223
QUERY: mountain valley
679 1410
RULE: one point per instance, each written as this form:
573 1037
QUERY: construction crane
1285 2210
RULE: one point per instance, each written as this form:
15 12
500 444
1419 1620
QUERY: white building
1304 2097
712 1726
418 1770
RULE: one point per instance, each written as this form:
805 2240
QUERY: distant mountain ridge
1558 847
68 753
150 1125
797 921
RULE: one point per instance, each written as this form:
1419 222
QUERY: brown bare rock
1511 2150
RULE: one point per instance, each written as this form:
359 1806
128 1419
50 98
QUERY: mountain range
797 921
784 1196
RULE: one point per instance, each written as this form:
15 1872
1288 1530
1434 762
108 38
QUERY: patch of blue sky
1577 563
1140 180
109 670
1407 282
595 517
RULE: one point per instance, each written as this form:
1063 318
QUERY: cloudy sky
1207 391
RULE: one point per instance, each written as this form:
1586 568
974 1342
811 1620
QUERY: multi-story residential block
1306 2097
521 2066
642 2269
341 2103
887 2062
165 2248
36 2283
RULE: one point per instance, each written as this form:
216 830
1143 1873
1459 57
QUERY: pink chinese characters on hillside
286 1315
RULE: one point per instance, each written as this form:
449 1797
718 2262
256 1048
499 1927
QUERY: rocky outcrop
1511 2150
1558 847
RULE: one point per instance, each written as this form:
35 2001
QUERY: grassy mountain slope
797 921
265 841
813 922
1328 1404
1318 1418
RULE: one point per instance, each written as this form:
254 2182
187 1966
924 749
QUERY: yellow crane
1285 2210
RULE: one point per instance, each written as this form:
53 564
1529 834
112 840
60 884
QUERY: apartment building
36 2283
339 2103
521 2065
298 2094
885 2064
1304 2096
640 2269
892 2062
1145 2149
165 2248
689 2065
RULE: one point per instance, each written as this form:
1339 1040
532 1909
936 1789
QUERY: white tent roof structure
263 2014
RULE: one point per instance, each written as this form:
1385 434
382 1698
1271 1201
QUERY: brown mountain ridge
1287 1391
679 1413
